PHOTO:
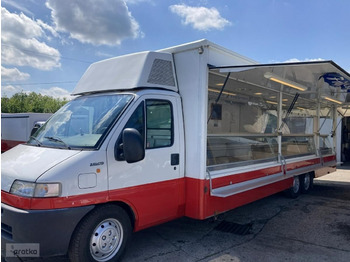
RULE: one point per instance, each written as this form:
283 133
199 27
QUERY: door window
158 117
159 127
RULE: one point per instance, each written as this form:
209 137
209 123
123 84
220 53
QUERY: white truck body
16 128
193 130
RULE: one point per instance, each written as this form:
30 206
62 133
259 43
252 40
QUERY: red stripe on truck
216 205
152 203
159 202
53 202
8 144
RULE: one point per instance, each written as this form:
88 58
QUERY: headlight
30 189
22 188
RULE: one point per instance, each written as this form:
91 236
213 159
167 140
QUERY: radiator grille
6 231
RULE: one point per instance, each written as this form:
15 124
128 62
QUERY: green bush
32 102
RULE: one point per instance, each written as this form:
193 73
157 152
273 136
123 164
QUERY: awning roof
309 79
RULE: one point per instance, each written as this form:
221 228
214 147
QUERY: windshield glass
81 123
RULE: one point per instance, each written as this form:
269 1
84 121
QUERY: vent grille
230 227
6 231
161 73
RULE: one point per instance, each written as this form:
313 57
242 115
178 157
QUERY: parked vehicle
18 127
192 130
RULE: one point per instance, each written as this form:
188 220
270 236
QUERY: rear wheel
306 182
295 190
101 236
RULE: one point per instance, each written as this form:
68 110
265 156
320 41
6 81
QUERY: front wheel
101 236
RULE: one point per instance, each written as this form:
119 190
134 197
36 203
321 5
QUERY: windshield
81 123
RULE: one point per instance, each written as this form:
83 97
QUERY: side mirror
133 145
35 128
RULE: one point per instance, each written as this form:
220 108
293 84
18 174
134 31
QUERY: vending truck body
193 130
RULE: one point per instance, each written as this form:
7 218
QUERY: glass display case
260 122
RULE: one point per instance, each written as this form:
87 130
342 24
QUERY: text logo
23 250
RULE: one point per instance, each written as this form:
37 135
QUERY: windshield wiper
36 140
57 139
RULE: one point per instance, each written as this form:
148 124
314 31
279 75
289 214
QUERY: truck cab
87 153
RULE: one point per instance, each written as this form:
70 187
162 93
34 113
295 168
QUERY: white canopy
323 80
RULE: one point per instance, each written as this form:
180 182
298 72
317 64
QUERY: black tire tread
311 184
82 233
290 192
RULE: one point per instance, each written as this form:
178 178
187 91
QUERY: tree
32 102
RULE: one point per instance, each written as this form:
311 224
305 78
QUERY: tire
101 236
295 190
307 181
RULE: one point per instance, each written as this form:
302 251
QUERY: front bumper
51 229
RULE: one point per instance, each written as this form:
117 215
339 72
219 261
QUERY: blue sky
46 45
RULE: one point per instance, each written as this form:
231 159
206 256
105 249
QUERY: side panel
153 203
325 171
200 204
192 77
329 166
196 191
215 205
152 187
15 128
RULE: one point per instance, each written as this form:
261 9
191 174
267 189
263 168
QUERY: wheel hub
306 182
296 184
106 240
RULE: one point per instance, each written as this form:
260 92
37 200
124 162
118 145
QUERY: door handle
174 159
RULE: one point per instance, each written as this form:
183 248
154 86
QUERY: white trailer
16 128
193 130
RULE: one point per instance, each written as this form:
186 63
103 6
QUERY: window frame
118 154
172 123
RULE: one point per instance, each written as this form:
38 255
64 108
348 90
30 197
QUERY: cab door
154 186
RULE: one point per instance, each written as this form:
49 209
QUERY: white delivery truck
16 128
193 130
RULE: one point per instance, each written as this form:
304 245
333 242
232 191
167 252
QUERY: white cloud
94 22
201 18
138 1
48 28
56 92
22 43
10 90
296 60
13 74
18 6
104 54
